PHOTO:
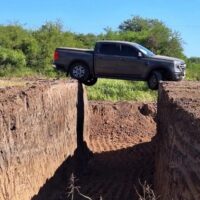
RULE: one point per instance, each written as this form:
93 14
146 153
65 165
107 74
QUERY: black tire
154 79
91 81
79 71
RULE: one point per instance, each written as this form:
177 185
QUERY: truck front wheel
79 71
154 79
90 81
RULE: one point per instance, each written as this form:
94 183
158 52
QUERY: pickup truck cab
120 60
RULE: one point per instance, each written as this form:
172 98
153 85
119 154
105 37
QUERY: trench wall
38 131
177 175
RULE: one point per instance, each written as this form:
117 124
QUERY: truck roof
116 41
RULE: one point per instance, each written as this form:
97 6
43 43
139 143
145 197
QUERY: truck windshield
144 50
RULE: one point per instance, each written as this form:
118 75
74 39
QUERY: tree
49 37
137 24
153 34
15 37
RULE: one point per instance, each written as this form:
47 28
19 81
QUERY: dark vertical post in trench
80 116
82 153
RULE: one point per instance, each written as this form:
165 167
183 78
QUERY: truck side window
127 50
110 49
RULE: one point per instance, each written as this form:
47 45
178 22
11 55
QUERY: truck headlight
177 66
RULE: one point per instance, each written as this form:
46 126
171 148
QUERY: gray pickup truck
120 60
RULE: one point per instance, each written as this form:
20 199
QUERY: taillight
56 55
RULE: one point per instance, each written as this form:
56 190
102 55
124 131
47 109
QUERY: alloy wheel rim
78 71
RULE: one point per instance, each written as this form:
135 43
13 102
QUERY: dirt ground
121 140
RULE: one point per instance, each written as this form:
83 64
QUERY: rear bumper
60 68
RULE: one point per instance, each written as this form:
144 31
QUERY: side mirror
140 55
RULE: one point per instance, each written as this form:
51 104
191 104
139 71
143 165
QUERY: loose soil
121 140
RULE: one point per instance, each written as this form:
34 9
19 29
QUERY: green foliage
50 36
86 41
14 37
11 71
118 90
138 24
153 34
14 58
193 69
194 60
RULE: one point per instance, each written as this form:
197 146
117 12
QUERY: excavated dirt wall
43 126
38 132
178 153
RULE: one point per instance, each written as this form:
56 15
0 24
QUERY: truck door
107 59
131 65
118 60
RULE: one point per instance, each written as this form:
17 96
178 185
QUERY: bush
193 71
12 58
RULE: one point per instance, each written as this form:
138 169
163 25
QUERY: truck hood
167 58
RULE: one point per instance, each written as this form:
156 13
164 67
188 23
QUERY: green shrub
9 57
193 71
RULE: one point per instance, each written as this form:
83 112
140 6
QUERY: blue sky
92 16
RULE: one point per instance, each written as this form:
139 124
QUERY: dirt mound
120 125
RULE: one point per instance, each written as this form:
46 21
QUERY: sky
92 16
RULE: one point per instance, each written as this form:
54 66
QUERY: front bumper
178 76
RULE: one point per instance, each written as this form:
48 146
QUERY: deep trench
114 174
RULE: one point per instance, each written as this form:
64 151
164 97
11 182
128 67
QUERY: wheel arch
165 72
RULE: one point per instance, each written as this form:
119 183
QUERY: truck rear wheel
154 79
79 71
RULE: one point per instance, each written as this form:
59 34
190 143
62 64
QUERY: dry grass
73 189
147 192
12 82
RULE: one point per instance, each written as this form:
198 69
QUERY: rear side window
127 50
110 49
